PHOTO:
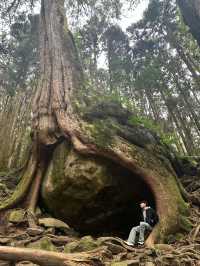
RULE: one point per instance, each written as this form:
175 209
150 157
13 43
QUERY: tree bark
190 10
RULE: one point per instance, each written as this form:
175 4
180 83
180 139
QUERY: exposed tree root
22 188
185 251
118 241
93 258
26 193
196 232
191 197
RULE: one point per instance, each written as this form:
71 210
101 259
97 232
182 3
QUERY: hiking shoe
128 243
141 243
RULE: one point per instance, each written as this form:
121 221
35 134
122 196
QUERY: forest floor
57 238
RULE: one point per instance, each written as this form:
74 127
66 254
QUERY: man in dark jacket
149 219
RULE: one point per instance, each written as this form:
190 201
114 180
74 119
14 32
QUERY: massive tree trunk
190 10
63 111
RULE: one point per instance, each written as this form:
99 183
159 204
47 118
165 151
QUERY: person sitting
149 219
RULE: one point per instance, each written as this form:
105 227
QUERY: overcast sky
131 16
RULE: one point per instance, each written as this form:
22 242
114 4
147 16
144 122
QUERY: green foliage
136 120
102 131
169 138
145 70
166 138
21 55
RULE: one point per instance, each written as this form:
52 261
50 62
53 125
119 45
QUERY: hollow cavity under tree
63 111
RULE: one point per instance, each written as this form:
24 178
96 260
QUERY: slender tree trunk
174 42
110 67
190 10
181 131
152 104
188 102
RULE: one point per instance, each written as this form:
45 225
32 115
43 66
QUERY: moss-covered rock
86 243
88 193
43 243
72 183
129 163
17 216
71 247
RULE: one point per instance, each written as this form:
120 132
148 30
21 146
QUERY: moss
17 216
71 247
44 244
59 158
20 190
81 180
102 132
185 224
173 238
184 208
179 236
4 190
24 149
189 160
86 243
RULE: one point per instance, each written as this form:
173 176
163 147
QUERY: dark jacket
151 216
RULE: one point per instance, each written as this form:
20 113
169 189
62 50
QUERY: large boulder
91 194
96 187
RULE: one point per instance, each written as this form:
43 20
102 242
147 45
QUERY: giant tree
70 129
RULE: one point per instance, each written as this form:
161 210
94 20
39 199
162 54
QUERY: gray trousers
138 229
